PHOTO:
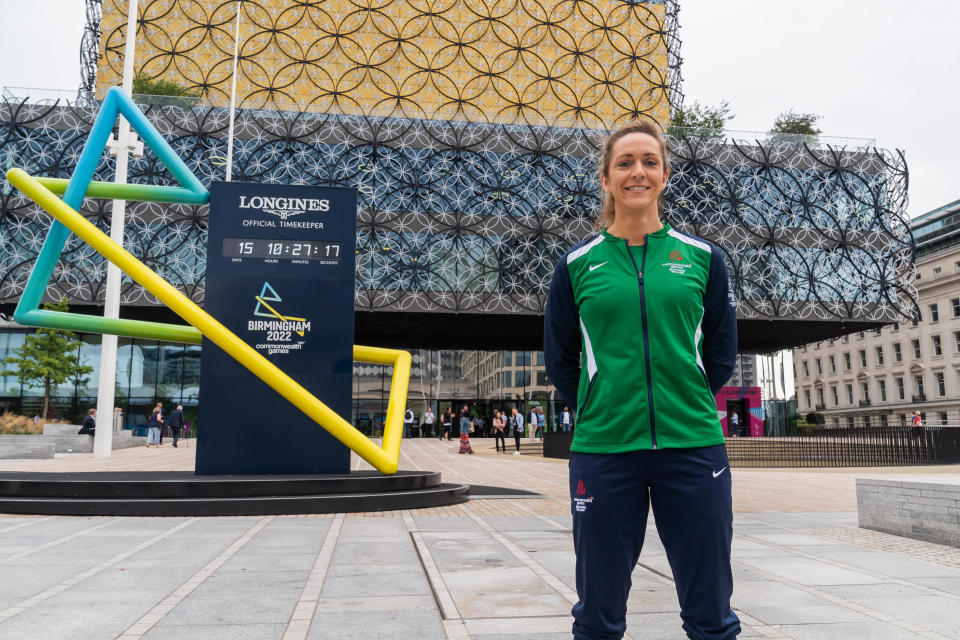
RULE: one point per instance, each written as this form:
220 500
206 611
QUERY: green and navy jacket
655 329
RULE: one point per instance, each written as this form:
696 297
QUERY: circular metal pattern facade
471 217
575 62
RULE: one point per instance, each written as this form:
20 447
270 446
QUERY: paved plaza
489 569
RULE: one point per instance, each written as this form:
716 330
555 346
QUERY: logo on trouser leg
580 502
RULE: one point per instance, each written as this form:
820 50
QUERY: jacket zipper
586 398
646 335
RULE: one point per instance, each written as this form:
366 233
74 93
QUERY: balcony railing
821 407
865 403
920 397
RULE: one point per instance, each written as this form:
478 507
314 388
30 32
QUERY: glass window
820 396
833 364
540 358
90 357
508 359
846 361
860 335
849 394
883 420
542 379
955 303
806 368
170 372
956 338
863 358
918 384
916 348
9 343
899 382
882 386
941 384
865 390
880 356
522 358
937 271
897 355
522 378
806 396
506 379
819 366
836 396
937 347
934 313
943 417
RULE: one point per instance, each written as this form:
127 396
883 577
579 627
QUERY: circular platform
181 493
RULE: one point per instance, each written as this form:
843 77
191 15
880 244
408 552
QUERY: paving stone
419 624
375 580
849 631
217 632
824 613
807 571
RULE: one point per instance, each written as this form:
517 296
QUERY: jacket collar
661 233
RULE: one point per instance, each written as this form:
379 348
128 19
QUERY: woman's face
636 174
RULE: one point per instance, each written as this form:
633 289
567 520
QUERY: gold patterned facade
558 62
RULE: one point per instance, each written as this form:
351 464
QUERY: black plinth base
180 493
556 444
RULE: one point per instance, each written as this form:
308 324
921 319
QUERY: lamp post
103 440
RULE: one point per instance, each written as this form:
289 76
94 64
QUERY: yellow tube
384 459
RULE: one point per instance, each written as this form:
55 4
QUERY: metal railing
879 446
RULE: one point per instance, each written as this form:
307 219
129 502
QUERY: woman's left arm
719 324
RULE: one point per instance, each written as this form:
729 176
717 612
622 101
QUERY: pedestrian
408 419
648 309
541 422
916 425
532 423
566 420
498 426
516 423
154 423
465 427
89 424
734 424
446 421
175 422
428 420
163 417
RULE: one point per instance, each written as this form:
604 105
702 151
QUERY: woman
498 431
651 312
465 431
153 428
446 421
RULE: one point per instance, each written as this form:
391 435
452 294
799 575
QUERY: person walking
916 425
408 419
651 312
175 422
516 423
498 426
734 424
154 424
532 423
446 421
163 421
566 423
541 422
466 425
428 420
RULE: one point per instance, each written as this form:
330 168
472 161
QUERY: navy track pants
690 491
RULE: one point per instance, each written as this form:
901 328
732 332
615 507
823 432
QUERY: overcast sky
872 68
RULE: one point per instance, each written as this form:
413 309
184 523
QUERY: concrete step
25 450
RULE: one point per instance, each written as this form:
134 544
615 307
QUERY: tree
801 124
700 121
148 86
47 358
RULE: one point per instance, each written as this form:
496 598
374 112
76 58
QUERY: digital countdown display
280 248
281 264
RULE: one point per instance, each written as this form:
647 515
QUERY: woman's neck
634 227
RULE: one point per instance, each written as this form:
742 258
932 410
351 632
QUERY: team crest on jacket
580 502
676 264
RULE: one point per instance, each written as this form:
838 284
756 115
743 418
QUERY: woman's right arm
561 335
